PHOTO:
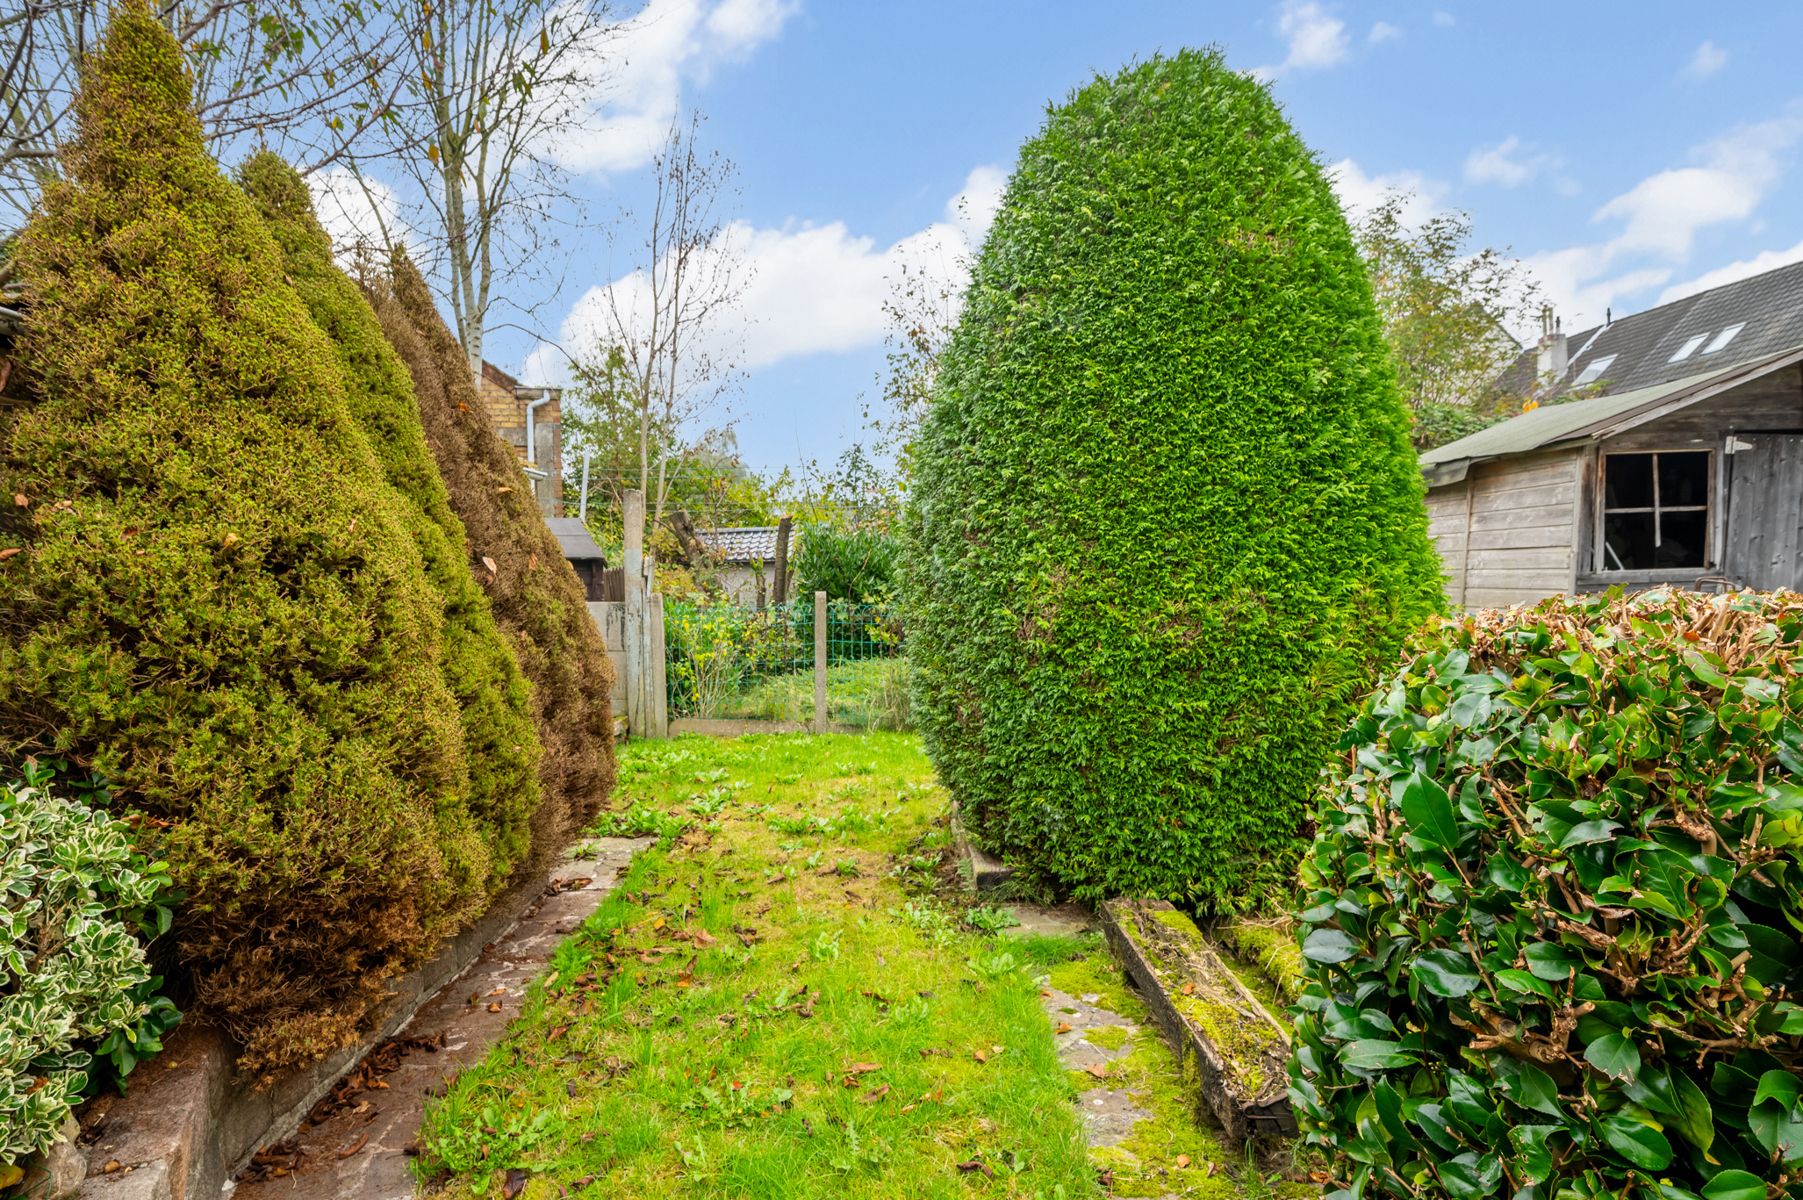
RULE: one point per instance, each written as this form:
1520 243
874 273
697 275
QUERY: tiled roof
1770 306
741 544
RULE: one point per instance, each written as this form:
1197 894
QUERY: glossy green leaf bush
847 564
1166 525
208 593
1553 910
77 904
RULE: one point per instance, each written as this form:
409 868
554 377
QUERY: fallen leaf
21 499
503 490
490 564
1063 1027
980 1055
976 1164
516 1183
500 991
494 1006
1099 1070
8 553
1189 987
865 1068
874 1094
1182 1160
353 1147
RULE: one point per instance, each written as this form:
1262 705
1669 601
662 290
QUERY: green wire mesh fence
724 661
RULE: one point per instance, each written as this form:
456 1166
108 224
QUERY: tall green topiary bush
501 744
538 602
1552 929
207 591
1166 523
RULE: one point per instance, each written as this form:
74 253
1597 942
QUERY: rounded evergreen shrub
1166 523
207 592
500 743
1552 935
537 600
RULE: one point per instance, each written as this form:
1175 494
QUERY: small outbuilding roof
573 537
741 543
1600 417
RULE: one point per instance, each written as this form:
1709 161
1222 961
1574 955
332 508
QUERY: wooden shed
1691 482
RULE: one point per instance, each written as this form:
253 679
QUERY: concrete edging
190 1120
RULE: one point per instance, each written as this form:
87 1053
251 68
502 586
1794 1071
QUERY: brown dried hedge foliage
536 596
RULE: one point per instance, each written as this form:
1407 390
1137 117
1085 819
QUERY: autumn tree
1446 309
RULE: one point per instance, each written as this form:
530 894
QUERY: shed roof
1598 417
574 539
741 543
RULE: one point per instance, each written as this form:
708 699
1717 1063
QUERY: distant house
747 555
1681 465
530 420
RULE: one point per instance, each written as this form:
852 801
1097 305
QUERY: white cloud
1315 37
1659 219
356 215
637 75
1765 260
1708 59
1444 19
808 289
1383 31
1360 191
1508 163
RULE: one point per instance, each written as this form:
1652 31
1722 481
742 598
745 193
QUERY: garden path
362 1142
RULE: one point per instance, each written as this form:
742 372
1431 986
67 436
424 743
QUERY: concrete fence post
819 662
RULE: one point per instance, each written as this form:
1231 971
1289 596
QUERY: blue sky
1625 151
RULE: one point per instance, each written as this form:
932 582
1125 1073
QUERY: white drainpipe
532 407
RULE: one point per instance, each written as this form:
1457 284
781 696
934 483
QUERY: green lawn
773 1005
871 692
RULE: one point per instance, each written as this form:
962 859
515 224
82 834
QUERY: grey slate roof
1771 305
741 543
573 537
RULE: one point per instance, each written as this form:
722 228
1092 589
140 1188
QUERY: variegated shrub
76 902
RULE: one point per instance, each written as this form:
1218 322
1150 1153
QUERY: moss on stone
1107 1037
1270 947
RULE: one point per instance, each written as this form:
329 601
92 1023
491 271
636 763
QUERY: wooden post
819 662
780 586
660 693
633 514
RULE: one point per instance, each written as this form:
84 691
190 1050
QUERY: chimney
1550 356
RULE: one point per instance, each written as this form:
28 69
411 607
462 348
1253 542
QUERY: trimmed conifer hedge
502 750
1166 523
208 591
1552 918
538 601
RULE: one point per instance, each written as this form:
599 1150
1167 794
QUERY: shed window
1656 511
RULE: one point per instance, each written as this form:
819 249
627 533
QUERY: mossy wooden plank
1238 1046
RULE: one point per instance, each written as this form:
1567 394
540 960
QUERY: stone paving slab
362 1149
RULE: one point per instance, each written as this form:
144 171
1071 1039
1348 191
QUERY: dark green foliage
501 745
537 599
1166 520
1553 912
854 564
207 591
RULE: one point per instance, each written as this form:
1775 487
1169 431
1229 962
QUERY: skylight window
1688 348
1723 338
1593 371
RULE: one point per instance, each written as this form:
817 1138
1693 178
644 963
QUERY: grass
871 692
773 1004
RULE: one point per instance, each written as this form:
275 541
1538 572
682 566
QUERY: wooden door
1764 547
